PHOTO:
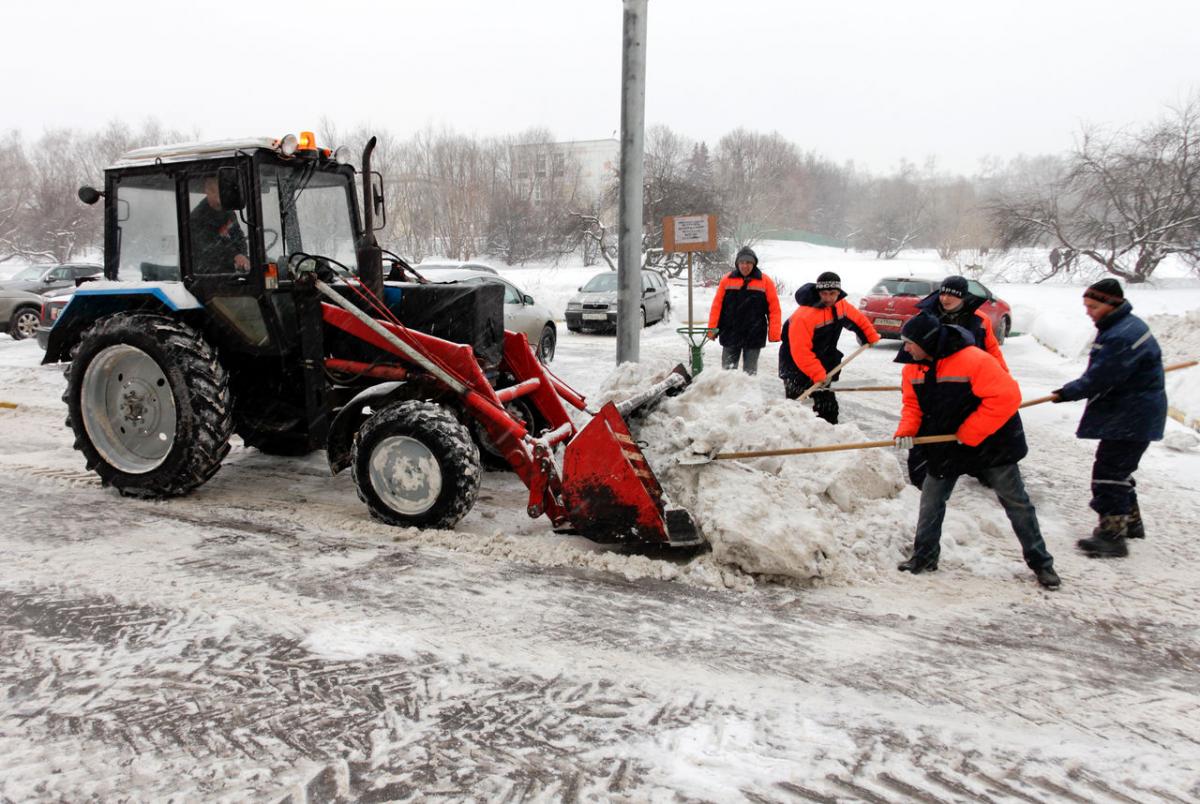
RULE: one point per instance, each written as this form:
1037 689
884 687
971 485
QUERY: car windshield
601 282
32 272
903 287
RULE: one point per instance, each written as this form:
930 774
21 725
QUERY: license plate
595 316
888 322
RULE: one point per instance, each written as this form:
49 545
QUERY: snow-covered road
263 638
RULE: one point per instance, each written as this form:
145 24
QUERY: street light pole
633 123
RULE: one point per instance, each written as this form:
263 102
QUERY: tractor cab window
306 210
148 233
216 234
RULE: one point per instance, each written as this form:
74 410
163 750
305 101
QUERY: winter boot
1134 528
917 567
1108 538
1048 578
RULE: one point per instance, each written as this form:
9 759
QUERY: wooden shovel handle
1036 401
825 382
1050 398
768 453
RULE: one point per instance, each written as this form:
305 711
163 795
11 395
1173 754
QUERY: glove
1057 394
904 442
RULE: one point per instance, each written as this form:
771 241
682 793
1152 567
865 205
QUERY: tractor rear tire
149 404
415 465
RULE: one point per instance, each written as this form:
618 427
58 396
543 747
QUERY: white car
521 312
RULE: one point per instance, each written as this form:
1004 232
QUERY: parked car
595 306
521 312
45 278
19 313
441 265
52 307
894 299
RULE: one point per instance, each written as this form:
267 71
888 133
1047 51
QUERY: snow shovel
696 459
824 384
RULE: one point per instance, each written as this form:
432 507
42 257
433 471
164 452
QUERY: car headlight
574 305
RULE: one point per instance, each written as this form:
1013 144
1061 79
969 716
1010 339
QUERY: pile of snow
1179 337
837 516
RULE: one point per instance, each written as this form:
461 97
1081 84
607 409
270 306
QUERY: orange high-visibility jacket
813 333
746 310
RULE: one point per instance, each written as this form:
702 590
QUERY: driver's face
212 192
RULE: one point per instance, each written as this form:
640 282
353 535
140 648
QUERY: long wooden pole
839 367
768 453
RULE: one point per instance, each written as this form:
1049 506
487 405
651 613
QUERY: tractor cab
225 219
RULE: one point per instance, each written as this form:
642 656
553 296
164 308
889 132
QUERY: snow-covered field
263 637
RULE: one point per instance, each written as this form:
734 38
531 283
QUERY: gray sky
869 81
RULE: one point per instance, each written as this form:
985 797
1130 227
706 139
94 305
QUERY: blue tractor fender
99 299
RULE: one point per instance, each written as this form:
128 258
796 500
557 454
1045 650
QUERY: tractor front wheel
149 404
415 465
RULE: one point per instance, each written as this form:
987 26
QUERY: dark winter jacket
810 336
746 310
216 237
964 391
969 317
1123 383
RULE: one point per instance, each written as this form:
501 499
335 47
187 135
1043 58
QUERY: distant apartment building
542 166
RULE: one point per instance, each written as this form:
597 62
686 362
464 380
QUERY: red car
894 299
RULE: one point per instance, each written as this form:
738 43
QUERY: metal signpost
691 233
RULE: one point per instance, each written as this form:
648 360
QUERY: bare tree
890 214
1125 201
758 182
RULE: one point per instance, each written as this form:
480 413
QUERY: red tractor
245 293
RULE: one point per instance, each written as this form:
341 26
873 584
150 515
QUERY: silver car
19 313
595 306
521 312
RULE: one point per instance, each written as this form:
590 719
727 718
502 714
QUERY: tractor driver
218 242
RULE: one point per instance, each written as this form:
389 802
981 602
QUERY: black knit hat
829 281
923 330
746 251
1107 291
954 286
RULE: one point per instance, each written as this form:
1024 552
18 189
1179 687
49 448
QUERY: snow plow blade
611 494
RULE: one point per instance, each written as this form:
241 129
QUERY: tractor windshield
307 210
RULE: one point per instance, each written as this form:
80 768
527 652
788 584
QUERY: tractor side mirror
378 205
229 185
89 195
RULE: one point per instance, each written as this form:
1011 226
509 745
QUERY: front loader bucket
612 495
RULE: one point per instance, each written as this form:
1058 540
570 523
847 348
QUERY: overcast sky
869 81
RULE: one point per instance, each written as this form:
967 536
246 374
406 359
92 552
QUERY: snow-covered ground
263 637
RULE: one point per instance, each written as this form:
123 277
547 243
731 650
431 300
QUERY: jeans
1010 490
730 355
1113 488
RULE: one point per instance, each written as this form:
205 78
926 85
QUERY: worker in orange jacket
954 304
955 388
810 337
745 313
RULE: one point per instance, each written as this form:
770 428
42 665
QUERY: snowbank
831 516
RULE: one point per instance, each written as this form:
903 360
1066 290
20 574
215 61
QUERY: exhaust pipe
368 253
